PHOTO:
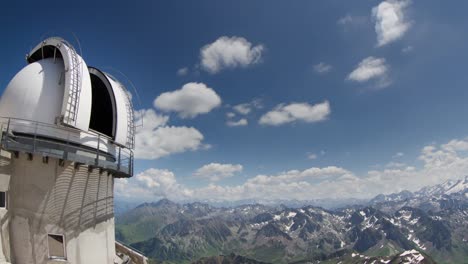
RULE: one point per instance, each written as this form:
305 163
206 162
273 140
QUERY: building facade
66 132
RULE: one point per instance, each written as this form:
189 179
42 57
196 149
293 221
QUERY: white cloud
243 109
150 119
283 114
246 108
345 20
311 156
229 52
182 71
398 155
322 68
152 183
390 21
352 20
191 100
155 178
217 171
371 68
240 122
393 164
440 163
156 139
407 49
456 145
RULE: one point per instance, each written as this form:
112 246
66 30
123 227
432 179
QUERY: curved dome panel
125 128
76 104
35 93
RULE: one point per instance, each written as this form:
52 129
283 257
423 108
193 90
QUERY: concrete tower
66 132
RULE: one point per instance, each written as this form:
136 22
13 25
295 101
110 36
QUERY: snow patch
414 221
291 214
406 215
407 252
287 228
258 225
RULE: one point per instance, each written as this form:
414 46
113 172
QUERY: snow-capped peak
458 186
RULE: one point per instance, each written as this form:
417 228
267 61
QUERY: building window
3 200
56 245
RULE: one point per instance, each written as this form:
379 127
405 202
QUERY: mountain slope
432 221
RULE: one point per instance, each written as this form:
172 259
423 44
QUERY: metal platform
64 143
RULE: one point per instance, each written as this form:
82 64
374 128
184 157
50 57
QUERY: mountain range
426 226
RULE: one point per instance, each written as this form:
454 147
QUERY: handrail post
131 164
118 161
8 125
67 148
97 150
6 132
34 140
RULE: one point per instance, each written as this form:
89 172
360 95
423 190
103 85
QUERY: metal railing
129 247
86 147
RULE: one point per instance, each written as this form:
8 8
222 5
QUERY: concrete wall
5 171
50 198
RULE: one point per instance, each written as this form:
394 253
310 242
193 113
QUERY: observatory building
66 132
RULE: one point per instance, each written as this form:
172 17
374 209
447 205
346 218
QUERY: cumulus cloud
182 71
440 163
191 100
217 171
246 108
349 20
243 109
390 21
229 52
345 20
322 68
393 164
152 183
407 49
371 68
456 145
286 113
156 139
240 122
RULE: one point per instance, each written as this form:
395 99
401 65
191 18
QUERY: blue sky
356 98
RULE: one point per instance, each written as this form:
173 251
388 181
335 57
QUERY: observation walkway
65 143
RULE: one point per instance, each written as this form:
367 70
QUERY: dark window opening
56 245
102 110
3 202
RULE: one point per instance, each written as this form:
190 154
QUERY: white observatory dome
77 112
35 93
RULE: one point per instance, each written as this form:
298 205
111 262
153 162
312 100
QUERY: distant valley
427 226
